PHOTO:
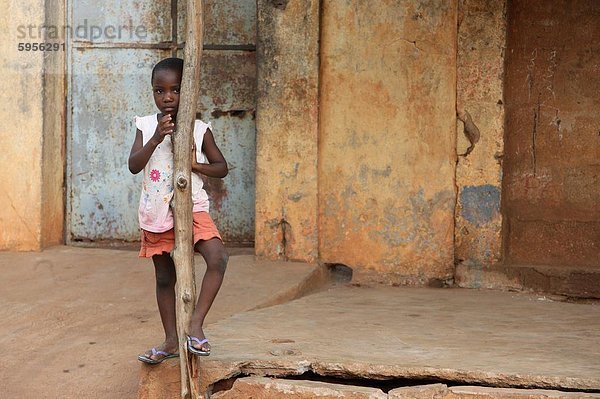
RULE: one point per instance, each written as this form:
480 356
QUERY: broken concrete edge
262 387
317 279
255 386
516 393
213 372
160 380
442 391
165 383
568 282
492 379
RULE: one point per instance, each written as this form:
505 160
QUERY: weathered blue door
111 54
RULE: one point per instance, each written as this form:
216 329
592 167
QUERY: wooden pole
183 255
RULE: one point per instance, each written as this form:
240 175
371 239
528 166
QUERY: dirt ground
73 320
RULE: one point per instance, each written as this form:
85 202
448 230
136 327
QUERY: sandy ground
74 319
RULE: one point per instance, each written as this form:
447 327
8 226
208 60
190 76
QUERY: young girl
152 152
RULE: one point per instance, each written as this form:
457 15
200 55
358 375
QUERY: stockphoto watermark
86 31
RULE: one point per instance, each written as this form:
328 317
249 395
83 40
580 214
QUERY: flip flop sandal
196 351
149 360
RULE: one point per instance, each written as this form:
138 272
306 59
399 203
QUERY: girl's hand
166 126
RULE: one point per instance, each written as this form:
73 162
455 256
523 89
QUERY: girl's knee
165 278
219 261
164 270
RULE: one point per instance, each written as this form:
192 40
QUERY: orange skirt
157 243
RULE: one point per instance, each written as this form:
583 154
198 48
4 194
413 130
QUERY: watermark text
83 31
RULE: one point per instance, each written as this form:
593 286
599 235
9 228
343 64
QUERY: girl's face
165 86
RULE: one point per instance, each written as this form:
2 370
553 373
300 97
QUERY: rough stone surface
433 391
551 174
387 138
480 71
160 381
75 319
269 388
286 123
441 391
468 336
512 393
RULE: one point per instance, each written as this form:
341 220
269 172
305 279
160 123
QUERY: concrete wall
31 196
553 143
286 124
480 103
387 138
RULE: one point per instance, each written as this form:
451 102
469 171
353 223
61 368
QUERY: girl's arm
217 166
140 154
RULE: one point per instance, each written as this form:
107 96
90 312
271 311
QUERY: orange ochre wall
387 138
356 136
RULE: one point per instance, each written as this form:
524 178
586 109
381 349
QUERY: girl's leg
216 257
165 296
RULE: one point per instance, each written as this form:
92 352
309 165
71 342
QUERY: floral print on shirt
155 175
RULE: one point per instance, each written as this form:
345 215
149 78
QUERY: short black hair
172 64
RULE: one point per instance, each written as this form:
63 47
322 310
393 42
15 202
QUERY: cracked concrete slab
472 337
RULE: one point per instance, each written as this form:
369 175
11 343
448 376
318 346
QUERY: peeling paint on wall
480 204
480 113
286 120
386 156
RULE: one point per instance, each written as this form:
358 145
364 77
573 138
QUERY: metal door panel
151 17
226 22
232 198
108 87
110 83
228 81
227 99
